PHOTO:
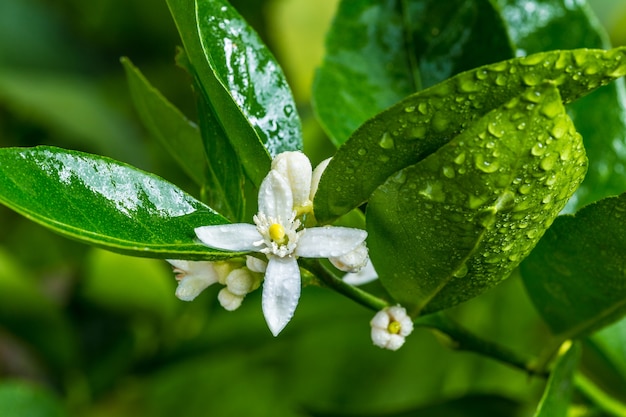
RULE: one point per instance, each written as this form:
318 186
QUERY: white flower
365 275
390 326
295 167
277 234
193 277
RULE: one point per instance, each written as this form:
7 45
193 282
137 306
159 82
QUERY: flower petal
281 292
317 175
235 237
365 275
275 197
329 241
296 168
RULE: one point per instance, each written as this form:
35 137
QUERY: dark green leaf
377 53
576 276
558 394
104 203
246 68
600 118
457 223
252 154
420 124
165 122
21 399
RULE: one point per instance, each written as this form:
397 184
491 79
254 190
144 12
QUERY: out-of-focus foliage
91 333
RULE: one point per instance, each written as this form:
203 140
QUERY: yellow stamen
277 233
394 327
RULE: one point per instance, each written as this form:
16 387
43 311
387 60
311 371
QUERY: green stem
598 396
459 338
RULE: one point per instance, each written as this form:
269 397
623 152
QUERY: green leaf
558 394
576 276
165 122
252 154
105 203
417 126
377 53
600 118
457 223
246 68
26 400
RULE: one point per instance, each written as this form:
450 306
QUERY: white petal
317 175
365 275
353 261
255 264
380 337
235 237
191 286
228 300
275 197
380 320
395 342
240 282
296 168
329 241
281 292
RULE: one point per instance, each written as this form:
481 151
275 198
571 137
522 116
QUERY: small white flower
295 168
276 234
365 275
390 326
193 277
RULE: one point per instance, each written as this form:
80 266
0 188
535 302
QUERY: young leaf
600 118
576 276
252 154
175 132
417 126
558 393
104 203
246 68
378 52
457 223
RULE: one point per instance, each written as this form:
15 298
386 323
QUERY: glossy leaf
247 69
417 126
378 52
104 203
457 223
542 25
178 135
576 276
556 398
252 154
23 399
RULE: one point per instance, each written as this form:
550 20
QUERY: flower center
394 327
277 234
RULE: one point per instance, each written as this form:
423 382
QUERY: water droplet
440 122
538 149
501 80
409 109
533 96
486 165
461 271
468 85
476 201
548 162
521 126
525 188
559 129
288 109
495 129
531 59
547 199
383 158
448 171
386 141
580 57
423 108
551 109
531 79
433 191
481 74
400 177
498 67
460 158
417 132
362 152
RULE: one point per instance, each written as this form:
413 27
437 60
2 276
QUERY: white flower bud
296 169
365 275
222 269
228 300
317 174
390 327
193 277
255 264
242 281
352 261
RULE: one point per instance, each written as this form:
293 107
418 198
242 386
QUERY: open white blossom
390 326
277 234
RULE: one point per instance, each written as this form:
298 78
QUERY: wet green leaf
252 154
417 126
457 223
246 68
105 203
558 394
378 52
576 276
600 118
165 122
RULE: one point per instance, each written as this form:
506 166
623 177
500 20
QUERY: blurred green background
90 333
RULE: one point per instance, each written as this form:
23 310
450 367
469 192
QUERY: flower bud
228 300
193 277
296 169
390 326
242 281
352 261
